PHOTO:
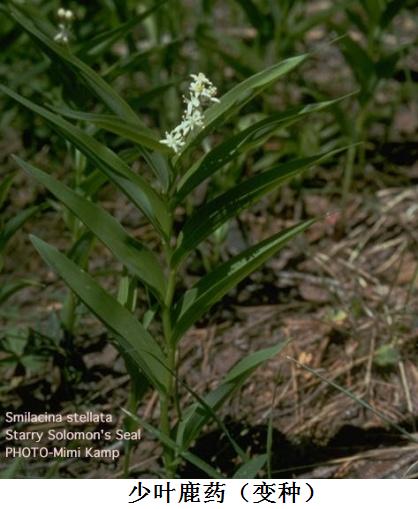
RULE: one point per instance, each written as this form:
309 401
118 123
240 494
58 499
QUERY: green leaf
361 64
160 166
138 60
79 251
391 10
128 291
357 19
143 137
236 98
134 186
62 54
168 442
128 250
252 361
212 287
373 9
213 214
93 182
97 45
299 27
140 135
13 470
263 23
5 186
234 146
196 415
385 67
387 356
250 469
130 334
9 289
239 56
144 99
15 224
255 16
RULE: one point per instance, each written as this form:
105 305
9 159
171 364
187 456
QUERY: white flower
174 140
64 33
65 14
210 93
202 86
192 104
201 89
199 80
191 121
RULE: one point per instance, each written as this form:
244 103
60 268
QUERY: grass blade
358 400
14 225
5 186
97 45
9 289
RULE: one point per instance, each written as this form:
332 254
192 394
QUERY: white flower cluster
201 91
66 17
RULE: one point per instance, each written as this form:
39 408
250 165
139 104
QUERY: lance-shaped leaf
13 225
244 60
127 250
98 44
62 55
134 186
240 95
145 99
251 468
131 335
170 443
212 215
138 60
142 136
5 186
262 22
239 143
9 289
212 287
116 125
392 8
198 414
362 65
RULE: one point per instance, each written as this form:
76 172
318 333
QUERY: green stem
168 399
132 405
356 136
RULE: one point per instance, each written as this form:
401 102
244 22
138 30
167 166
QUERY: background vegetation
334 313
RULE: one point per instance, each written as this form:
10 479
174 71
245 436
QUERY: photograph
209 244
